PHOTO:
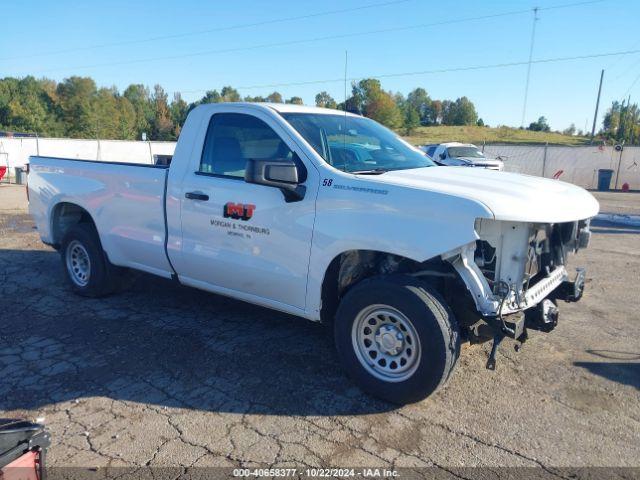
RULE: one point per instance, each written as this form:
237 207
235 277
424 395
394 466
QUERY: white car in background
456 154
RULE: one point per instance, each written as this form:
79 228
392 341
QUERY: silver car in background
461 155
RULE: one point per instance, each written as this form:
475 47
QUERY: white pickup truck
331 217
461 155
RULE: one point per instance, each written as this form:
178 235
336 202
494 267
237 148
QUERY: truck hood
509 196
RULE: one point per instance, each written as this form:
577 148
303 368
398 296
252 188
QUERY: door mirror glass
443 155
282 173
279 173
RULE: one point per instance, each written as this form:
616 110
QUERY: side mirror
443 155
283 174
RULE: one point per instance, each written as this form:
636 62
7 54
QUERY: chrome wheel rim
386 343
78 263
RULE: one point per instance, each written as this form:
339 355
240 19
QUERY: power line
322 38
211 30
618 60
628 70
435 71
633 84
291 42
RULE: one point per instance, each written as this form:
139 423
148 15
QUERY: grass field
477 135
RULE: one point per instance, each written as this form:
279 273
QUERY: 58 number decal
327 182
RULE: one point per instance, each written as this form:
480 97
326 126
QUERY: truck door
244 239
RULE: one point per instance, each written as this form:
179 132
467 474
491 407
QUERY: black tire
432 320
102 277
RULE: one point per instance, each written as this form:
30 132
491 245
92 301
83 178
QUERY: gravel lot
166 375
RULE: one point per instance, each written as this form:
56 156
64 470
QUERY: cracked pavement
164 375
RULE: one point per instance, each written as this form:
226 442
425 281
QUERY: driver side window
232 138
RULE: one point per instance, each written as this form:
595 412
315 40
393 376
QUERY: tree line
622 123
76 107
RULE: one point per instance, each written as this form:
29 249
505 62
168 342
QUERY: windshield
471 152
356 144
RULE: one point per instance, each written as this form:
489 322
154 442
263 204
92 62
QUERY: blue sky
563 92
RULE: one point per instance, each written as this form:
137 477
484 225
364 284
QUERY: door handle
197 196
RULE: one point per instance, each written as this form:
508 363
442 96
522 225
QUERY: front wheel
396 338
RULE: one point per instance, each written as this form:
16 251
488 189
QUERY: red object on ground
625 187
24 468
23 449
556 175
3 171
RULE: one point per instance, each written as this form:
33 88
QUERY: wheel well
64 216
352 266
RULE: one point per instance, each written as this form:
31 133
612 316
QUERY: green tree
178 111
448 112
460 112
324 100
229 94
433 115
76 95
369 98
104 121
540 126
383 109
421 102
411 119
54 126
127 121
162 127
76 107
211 96
257 99
399 100
275 97
622 123
611 120
29 105
140 99
571 130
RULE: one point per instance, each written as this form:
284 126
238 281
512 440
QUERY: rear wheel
396 338
87 269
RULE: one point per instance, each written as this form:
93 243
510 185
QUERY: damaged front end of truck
515 273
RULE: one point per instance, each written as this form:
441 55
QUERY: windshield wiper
374 171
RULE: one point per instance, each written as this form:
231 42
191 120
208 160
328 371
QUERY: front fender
355 214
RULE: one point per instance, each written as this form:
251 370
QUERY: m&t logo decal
238 211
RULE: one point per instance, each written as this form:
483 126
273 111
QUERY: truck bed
125 200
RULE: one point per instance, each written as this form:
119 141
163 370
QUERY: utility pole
595 115
619 163
526 88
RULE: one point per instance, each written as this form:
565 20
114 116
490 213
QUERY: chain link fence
577 165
